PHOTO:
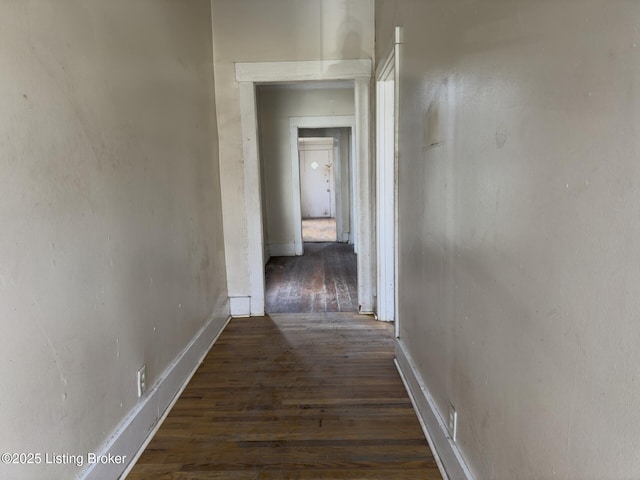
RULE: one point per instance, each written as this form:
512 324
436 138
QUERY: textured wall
519 193
111 253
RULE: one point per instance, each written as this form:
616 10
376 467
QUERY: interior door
317 196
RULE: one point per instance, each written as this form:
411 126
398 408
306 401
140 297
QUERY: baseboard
282 249
135 432
240 306
446 452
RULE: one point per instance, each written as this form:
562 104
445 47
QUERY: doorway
318 188
341 128
320 273
356 71
339 225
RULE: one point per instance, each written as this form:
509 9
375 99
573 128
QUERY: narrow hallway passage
293 396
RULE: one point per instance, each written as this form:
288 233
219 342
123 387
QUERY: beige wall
111 253
276 106
519 262
277 30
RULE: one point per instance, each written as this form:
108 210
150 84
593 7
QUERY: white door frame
386 184
250 74
296 123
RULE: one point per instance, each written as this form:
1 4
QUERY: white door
317 190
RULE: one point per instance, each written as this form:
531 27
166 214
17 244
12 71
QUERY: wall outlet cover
452 422
142 380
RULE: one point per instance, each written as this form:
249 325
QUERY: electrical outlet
142 380
453 422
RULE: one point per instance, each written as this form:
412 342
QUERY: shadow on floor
302 397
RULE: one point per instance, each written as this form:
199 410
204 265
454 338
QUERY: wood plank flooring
321 280
304 397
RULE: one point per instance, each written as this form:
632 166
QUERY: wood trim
365 197
253 196
447 454
384 68
386 189
302 71
135 432
312 143
399 41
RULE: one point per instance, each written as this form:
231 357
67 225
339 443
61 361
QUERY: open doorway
252 76
341 129
318 184
331 150
306 161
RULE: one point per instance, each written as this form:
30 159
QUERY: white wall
276 106
277 30
518 255
111 252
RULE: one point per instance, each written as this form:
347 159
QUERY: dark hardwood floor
321 280
304 396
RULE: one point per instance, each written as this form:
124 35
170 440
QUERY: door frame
248 75
387 100
296 123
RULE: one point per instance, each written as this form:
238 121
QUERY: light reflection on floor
319 230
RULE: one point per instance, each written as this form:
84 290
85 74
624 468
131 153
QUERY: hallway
481 157
304 396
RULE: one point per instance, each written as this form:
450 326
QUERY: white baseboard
134 433
448 457
240 306
282 249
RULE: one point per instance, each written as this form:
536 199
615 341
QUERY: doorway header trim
303 71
